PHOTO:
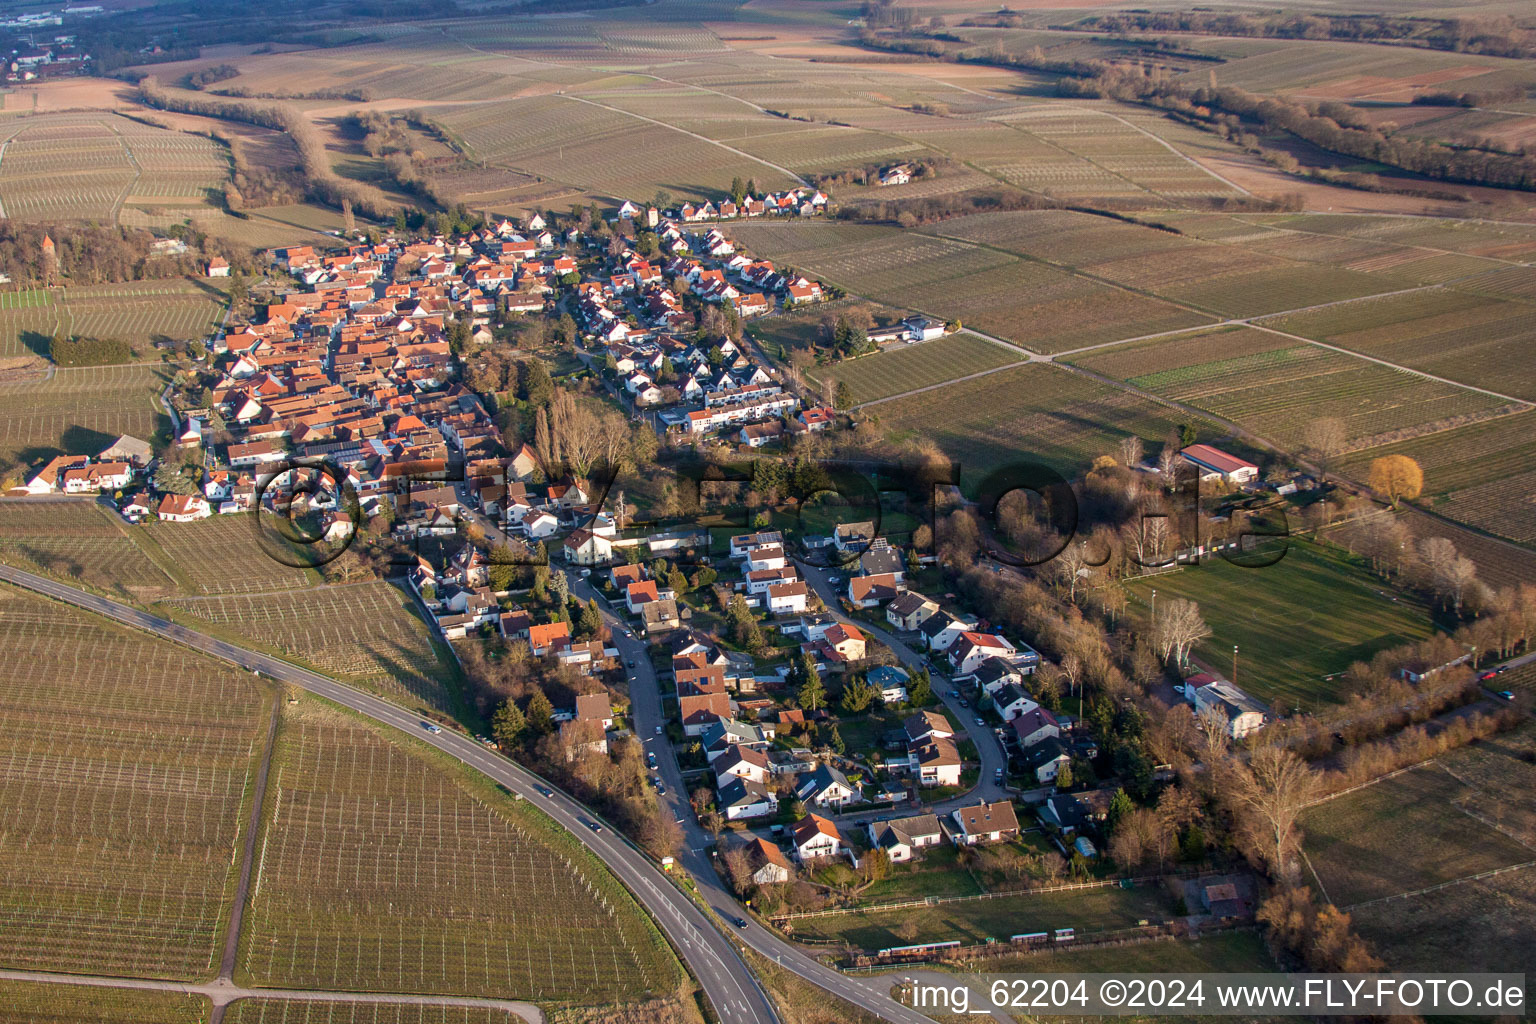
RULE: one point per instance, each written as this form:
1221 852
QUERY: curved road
730 985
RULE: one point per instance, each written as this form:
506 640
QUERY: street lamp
1154 603
1234 664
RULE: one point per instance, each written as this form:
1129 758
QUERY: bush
81 351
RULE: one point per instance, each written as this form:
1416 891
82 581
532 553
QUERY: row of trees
324 184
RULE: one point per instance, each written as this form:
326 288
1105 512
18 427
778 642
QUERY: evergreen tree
591 619
836 742
858 695
508 723
559 588
541 713
842 396
1120 806
813 693
920 688
537 386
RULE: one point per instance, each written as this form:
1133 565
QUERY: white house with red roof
968 652
1215 465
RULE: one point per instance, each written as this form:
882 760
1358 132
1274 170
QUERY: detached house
985 823
816 838
872 591
909 610
902 839
827 787
742 799
183 508
768 864
967 654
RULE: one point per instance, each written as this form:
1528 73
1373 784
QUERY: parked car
661 788
650 758
997 773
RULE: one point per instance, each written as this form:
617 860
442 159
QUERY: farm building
1216 465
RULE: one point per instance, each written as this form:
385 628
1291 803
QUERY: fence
930 901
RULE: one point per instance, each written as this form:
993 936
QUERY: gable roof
985 817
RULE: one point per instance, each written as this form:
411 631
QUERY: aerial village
938 738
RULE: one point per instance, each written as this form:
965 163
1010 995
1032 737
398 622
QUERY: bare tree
1072 568
1450 573
1177 628
1168 463
1131 452
1323 438
1271 794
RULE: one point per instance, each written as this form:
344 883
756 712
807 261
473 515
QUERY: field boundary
1442 885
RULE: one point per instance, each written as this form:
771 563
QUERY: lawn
1399 835
976 921
388 867
1233 952
1310 615
909 367
125 767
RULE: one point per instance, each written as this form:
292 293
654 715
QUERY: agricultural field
590 146
219 555
1469 338
369 633
24 1002
1043 308
1502 241
281 1011
1296 623
95 166
385 868
1036 411
1273 385
1401 834
80 410
1495 491
80 542
976 921
138 312
125 768
908 367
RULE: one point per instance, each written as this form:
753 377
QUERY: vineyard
1032 412
280 1011
1041 307
220 555
77 541
24 1002
124 767
1275 392
1474 339
367 632
589 146
92 166
140 313
390 870
908 367
80 411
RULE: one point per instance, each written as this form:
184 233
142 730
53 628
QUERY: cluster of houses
817 838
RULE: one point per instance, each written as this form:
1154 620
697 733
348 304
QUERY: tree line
323 183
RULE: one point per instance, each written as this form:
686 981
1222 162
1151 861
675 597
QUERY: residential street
709 951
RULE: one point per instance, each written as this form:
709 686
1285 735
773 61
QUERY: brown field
387 868
78 541
125 767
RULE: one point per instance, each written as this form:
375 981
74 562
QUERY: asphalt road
868 993
726 979
988 748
